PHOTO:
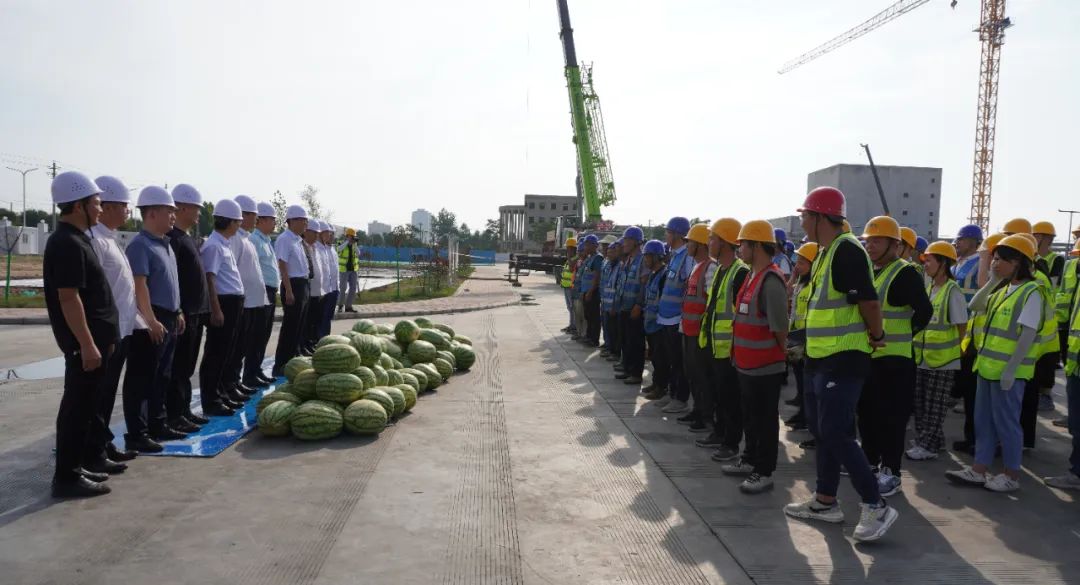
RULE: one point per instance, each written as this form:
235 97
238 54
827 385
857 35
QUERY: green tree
539 231
310 198
443 224
280 206
206 219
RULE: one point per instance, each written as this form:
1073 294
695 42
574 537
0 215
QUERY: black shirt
194 299
70 262
907 290
850 275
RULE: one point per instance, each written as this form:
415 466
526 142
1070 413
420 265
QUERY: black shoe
218 410
106 466
277 372
144 444
196 419
793 402
263 377
233 405
235 395
713 441
183 425
351 310
166 433
246 390
698 427
688 418
80 487
621 375
98 476
632 380
796 423
808 444
964 447
255 384
117 455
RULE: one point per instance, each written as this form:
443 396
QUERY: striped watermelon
381 377
364 326
434 379
295 366
303 387
421 351
397 397
274 419
386 362
379 395
369 348
422 322
391 347
443 367
405 362
315 420
448 356
463 356
393 378
435 337
366 376
384 329
421 378
341 388
397 364
334 359
280 394
444 328
365 417
406 331
411 381
410 395
462 339
332 339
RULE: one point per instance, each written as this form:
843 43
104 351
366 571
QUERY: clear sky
391 106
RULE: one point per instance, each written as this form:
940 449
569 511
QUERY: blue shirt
151 256
267 259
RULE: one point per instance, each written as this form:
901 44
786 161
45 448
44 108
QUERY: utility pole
52 174
23 173
1071 214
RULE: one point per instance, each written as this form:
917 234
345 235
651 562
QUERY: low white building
23 241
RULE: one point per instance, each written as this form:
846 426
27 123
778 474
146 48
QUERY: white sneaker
874 522
917 453
812 509
967 476
1001 483
1069 481
675 406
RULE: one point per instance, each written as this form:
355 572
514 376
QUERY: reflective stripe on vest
1048 340
967 276
567 278
1066 291
608 274
1001 332
693 307
754 345
588 275
939 343
627 295
802 299
719 314
652 300
896 321
674 286
1072 357
343 258
833 325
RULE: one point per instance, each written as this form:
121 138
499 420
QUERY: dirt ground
22 266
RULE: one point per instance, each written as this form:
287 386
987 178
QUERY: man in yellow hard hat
1049 261
566 281
348 267
1016 225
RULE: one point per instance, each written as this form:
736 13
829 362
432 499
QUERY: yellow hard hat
847 227
908 235
1043 228
757 230
1076 249
809 250
882 226
1017 226
699 233
991 242
349 232
1031 239
1019 243
727 229
941 249
571 242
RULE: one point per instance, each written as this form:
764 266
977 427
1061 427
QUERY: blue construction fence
389 254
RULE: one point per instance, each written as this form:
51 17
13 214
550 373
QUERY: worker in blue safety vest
669 315
629 303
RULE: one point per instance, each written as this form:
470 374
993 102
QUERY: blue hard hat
789 247
921 243
780 235
679 225
970 231
618 242
634 233
590 239
655 247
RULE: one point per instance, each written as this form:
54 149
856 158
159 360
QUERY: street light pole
23 173
1071 214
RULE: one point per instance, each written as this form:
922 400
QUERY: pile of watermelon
361 380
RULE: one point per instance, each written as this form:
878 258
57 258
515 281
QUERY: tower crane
991 29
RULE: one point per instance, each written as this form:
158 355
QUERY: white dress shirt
118 273
247 261
289 248
217 259
329 264
317 289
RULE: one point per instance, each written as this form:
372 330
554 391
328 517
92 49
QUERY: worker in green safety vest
348 269
1071 479
1064 296
566 281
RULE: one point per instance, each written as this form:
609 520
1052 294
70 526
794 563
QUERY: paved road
534 467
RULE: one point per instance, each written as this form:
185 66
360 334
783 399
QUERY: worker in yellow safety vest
348 269
1071 479
566 281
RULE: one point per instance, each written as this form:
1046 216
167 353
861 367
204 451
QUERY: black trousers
680 389
631 338
760 396
149 372
727 395
244 340
964 387
885 405
592 317
1029 411
79 404
797 368
698 371
218 352
100 434
292 323
313 321
661 375
178 396
260 333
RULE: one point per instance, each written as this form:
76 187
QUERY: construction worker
1007 350
295 286
670 312
265 224
313 321
653 255
1071 479
225 287
796 349
782 260
937 351
348 254
1066 292
251 317
720 403
590 290
1049 351
696 360
1017 225
966 269
608 315
85 324
324 245
629 304
566 281
909 241
580 327
843 326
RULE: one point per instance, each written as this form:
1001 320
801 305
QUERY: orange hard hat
909 236
727 229
699 233
757 230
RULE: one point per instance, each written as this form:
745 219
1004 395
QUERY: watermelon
397 365
386 362
444 368
462 339
411 381
410 395
421 351
381 377
295 366
405 362
379 395
444 328
421 378
276 396
391 347
447 355
398 398
434 379
366 376
365 417
303 387
464 357
435 338
383 329
335 359
274 419
341 388
364 326
406 331
393 378
369 349
422 322
315 420
332 339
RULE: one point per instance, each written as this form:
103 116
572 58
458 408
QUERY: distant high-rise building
421 218
375 228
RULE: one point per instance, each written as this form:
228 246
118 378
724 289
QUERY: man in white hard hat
85 324
265 223
295 286
315 305
331 285
247 260
157 294
226 291
103 456
193 302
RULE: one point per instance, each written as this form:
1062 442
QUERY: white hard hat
228 209
325 226
154 195
295 212
313 225
247 204
184 193
72 186
113 190
264 209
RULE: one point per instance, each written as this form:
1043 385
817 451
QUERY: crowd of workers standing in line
151 305
877 330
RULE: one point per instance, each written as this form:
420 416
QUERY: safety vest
1072 356
1001 331
896 321
608 274
671 298
653 287
1065 292
966 273
719 314
1050 258
694 303
939 344
630 287
343 258
832 324
802 299
1048 340
566 280
755 345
